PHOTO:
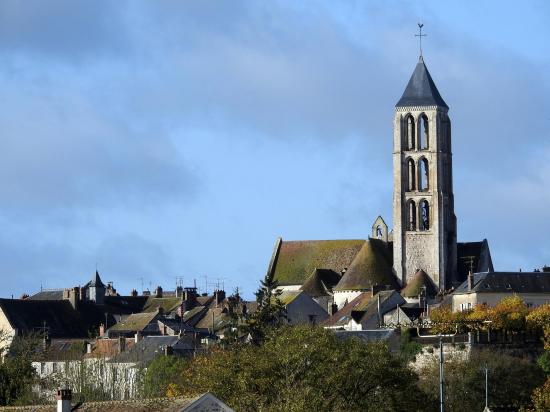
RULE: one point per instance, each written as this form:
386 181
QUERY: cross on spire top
420 35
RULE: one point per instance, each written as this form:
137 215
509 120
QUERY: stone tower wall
432 250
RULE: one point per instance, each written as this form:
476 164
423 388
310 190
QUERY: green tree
160 373
17 374
511 380
234 324
301 368
271 312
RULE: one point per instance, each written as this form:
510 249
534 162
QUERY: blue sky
180 138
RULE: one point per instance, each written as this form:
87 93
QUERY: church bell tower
424 234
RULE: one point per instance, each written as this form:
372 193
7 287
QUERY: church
420 255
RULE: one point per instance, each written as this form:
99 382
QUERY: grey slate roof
508 282
51 294
421 89
96 281
58 316
151 346
473 254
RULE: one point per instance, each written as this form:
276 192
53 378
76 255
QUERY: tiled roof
107 348
58 316
343 316
371 266
320 282
51 294
296 260
194 315
415 284
508 282
167 304
287 297
62 350
135 322
151 346
369 308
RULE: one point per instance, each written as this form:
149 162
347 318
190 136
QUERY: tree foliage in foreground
511 380
160 373
17 375
305 369
271 312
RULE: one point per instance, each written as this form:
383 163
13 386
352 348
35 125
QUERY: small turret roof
416 283
421 89
96 281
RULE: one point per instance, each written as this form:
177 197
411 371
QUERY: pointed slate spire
96 281
421 90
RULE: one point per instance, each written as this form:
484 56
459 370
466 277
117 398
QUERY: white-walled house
491 287
302 309
365 312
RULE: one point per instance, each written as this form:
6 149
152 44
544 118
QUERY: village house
302 308
364 312
489 288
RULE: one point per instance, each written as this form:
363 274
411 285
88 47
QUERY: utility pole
441 360
486 388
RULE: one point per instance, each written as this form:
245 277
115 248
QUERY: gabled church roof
421 89
294 261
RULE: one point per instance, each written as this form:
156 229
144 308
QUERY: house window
42 368
529 304
312 319
54 367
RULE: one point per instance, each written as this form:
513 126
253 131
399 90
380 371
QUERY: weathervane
420 35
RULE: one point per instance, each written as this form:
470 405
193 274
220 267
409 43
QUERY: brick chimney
158 292
72 295
64 397
470 281
219 295
121 344
102 330
190 295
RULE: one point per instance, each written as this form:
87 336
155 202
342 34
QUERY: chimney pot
470 281
64 397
